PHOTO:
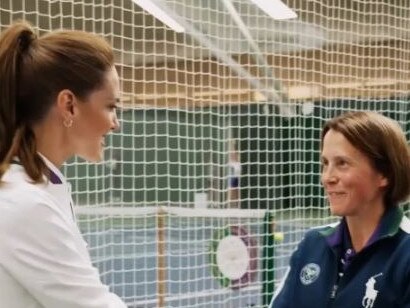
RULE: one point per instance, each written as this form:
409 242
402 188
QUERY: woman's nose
328 176
116 124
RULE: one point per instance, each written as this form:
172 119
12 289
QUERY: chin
97 158
334 210
92 158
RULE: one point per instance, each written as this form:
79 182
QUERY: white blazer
44 261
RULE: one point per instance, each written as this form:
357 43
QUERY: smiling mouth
335 193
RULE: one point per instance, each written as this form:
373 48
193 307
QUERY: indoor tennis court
207 85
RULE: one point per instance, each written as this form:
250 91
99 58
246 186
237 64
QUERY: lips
335 196
335 193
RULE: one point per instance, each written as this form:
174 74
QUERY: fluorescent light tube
275 9
160 14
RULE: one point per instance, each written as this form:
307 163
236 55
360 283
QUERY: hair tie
25 39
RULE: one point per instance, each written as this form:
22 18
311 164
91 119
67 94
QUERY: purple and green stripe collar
388 226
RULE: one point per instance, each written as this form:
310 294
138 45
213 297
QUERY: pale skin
92 119
354 188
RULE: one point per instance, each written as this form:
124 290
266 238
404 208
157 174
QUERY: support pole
268 261
161 262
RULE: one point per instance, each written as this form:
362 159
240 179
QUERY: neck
361 227
50 142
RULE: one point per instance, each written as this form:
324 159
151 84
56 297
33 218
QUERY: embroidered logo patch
309 273
371 292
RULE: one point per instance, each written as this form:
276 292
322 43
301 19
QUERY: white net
237 95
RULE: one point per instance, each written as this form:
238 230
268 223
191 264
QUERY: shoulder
29 217
321 232
315 241
22 195
20 198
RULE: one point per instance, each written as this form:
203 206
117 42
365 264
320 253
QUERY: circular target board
233 255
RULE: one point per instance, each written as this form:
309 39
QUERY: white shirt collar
53 169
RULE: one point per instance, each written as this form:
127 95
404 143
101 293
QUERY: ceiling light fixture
275 9
155 10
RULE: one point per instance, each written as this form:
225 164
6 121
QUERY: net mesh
229 98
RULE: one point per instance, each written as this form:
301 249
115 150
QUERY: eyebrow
344 157
116 100
118 103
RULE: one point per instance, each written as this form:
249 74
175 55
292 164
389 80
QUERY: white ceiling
288 47
319 23
136 34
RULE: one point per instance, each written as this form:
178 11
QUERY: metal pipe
272 95
263 65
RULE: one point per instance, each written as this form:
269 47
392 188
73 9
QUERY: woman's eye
342 163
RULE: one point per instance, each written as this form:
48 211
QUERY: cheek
100 124
362 189
361 186
107 120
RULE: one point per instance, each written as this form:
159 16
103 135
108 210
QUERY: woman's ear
384 181
66 103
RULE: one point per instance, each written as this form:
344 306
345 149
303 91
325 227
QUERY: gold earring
68 123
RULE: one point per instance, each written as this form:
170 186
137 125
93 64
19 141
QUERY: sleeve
43 253
284 293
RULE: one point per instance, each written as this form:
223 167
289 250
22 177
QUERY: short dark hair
383 141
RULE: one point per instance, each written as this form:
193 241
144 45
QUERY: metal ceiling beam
272 95
258 57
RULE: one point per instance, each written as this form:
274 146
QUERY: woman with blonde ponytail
58 98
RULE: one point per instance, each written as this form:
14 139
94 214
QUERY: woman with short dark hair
364 260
